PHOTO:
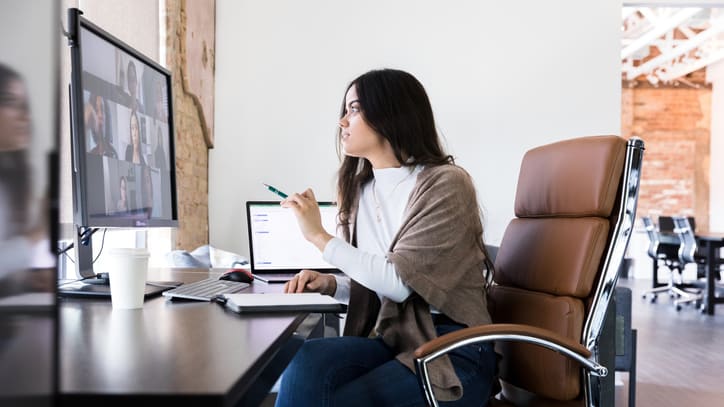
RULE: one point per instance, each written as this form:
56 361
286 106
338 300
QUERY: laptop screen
276 245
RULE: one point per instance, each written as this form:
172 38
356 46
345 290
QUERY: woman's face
14 117
358 138
134 131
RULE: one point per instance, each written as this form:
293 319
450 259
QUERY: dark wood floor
680 354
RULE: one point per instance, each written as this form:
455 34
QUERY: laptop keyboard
205 290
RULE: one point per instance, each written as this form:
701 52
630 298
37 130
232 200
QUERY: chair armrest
437 347
482 331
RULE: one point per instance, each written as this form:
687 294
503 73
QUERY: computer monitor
122 137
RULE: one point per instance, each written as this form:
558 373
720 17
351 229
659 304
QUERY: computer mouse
240 275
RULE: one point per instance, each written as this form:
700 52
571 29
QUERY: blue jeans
357 371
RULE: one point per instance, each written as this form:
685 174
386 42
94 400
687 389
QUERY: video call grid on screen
276 242
120 183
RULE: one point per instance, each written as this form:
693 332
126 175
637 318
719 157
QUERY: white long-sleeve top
387 196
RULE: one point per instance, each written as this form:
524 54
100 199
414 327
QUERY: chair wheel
653 298
678 307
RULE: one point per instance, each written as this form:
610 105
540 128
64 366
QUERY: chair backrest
653 235
687 240
666 224
558 261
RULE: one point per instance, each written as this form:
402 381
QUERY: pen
276 191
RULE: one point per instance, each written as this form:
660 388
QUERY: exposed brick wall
191 146
675 126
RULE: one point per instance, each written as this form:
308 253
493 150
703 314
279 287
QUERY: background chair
668 241
666 224
688 254
555 272
666 255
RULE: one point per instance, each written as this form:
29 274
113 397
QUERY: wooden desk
185 353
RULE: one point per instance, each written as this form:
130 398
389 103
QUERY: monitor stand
81 289
83 243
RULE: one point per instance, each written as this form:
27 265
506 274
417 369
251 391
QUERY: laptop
277 248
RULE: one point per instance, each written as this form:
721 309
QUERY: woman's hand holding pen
310 280
306 209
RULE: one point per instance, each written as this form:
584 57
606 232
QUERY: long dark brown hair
14 168
395 105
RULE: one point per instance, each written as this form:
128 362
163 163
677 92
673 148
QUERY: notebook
277 248
280 302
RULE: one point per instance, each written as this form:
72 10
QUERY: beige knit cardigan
437 252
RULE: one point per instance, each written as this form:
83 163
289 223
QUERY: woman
95 122
133 150
412 251
18 231
132 81
122 204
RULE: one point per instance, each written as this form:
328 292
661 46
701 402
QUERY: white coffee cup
127 269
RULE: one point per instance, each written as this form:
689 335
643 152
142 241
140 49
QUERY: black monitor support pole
84 253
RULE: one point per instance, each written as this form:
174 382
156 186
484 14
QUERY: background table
710 243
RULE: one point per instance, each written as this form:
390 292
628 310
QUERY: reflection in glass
28 135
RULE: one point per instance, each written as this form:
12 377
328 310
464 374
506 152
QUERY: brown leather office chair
555 272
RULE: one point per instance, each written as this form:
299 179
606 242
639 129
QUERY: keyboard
205 290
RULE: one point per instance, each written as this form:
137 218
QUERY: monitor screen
123 134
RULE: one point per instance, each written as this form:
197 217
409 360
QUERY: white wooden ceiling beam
660 28
717 27
685 69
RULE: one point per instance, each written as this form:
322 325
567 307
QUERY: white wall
503 77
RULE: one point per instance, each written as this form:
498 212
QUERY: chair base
681 293
686 297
